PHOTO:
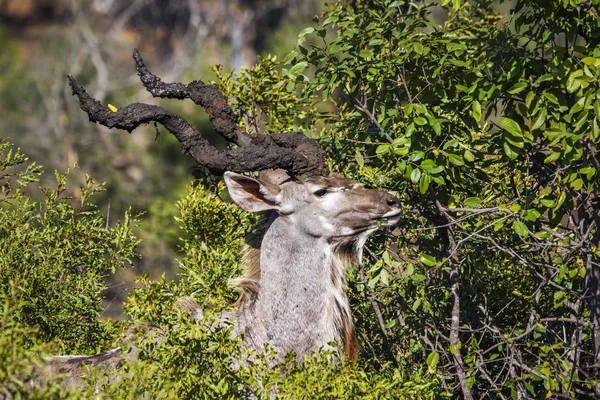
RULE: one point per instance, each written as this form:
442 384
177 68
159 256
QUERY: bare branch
452 249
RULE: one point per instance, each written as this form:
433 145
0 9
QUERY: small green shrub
58 252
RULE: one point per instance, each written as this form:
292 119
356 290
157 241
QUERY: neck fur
299 269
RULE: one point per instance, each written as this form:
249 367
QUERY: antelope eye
320 192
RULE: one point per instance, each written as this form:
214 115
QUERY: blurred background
42 41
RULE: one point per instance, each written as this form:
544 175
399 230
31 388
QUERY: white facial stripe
325 224
392 213
332 200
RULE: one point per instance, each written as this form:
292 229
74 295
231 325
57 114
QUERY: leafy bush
487 128
58 252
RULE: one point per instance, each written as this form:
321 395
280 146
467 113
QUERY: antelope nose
392 201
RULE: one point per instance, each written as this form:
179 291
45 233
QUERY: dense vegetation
487 128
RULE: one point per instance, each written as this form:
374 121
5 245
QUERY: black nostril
393 202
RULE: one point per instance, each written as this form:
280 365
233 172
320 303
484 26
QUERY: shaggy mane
248 284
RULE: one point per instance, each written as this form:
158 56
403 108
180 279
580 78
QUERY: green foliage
184 358
214 235
486 127
265 98
58 252
21 355
176 356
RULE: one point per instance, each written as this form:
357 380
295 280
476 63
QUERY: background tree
488 127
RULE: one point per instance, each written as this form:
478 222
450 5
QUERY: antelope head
335 208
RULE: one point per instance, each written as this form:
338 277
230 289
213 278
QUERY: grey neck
298 306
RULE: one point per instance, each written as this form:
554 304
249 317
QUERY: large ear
250 194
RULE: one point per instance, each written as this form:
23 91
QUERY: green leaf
359 158
544 78
420 121
554 155
428 260
551 98
376 42
514 208
401 151
298 68
289 57
518 87
306 31
451 143
529 98
420 109
476 110
520 228
455 159
572 82
366 53
589 172
383 149
509 151
399 141
469 156
424 183
432 361
532 215
511 126
373 281
415 175
559 298
383 276
547 203
472 202
577 184
539 120
418 48
591 61
498 225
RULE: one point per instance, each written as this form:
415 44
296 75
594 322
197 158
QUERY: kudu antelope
293 293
